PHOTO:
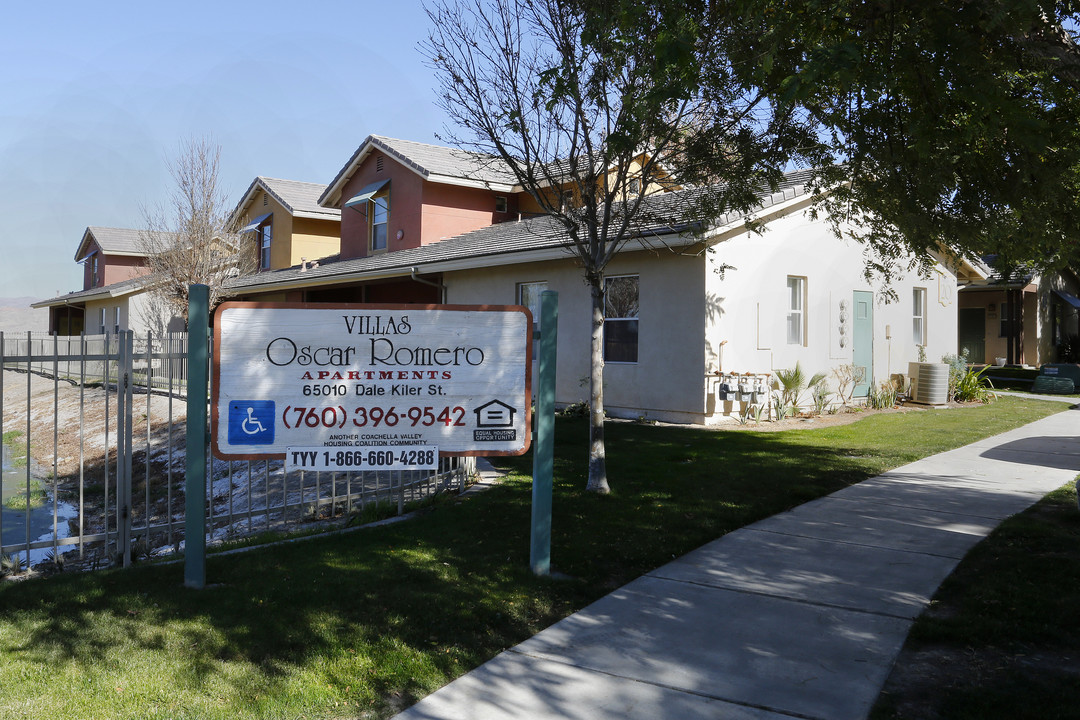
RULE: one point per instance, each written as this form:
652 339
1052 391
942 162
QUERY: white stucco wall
666 382
693 321
751 303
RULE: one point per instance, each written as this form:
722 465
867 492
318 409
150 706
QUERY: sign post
195 480
544 448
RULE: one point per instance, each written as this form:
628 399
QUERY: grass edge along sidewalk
1000 638
361 625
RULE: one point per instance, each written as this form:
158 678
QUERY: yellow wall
293 238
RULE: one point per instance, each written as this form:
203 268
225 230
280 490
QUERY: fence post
124 430
544 442
195 482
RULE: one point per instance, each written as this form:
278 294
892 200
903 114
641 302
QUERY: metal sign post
195 482
544 444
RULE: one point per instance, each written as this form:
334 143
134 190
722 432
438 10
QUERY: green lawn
364 623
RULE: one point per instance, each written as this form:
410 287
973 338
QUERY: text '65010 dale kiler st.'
370 387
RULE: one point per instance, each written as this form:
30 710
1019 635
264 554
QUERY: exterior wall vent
378 163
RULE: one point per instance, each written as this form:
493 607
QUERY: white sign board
358 377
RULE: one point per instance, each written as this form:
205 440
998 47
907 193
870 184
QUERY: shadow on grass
382 616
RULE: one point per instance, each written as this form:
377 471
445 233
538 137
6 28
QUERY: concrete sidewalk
800 615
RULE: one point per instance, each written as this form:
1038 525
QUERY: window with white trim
621 304
116 319
101 320
379 214
918 315
266 238
796 315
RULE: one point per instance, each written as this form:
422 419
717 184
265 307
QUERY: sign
354 378
336 459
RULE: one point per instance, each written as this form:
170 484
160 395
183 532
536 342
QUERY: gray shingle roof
301 199
112 241
117 289
495 243
433 162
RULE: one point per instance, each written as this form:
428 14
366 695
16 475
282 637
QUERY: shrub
973 387
957 369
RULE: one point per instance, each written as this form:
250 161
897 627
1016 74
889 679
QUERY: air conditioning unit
929 383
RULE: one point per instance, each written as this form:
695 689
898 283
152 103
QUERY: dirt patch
58 410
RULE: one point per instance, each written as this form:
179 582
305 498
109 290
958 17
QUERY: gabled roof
112 241
451 166
117 289
529 240
300 199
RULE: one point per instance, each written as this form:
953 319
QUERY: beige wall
665 383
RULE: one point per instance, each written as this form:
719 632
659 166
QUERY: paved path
800 615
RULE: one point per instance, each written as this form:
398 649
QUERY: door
971 333
862 339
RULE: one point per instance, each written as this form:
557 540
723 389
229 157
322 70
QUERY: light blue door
862 339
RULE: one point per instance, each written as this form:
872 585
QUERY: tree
593 112
951 125
189 239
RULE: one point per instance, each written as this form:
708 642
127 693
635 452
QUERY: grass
38 497
1000 638
364 623
18 452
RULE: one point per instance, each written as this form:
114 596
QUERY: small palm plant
794 382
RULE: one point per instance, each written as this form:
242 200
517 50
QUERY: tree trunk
597 455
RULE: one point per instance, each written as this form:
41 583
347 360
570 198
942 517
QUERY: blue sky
94 97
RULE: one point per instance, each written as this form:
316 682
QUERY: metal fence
94 443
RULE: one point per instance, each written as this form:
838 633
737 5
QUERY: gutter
439 285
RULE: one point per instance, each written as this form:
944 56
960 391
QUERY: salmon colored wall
406 198
450 210
120 268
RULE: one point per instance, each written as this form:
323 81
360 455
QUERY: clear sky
94 97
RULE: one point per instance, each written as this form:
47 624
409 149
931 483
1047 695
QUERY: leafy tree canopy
950 125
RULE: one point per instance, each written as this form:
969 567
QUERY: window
266 237
1003 313
918 316
635 186
379 214
500 203
796 317
621 319
116 319
528 294
101 320
94 270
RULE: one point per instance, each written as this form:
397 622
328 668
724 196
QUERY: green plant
579 409
884 397
957 368
794 382
11 564
757 411
922 352
18 501
973 387
821 397
56 559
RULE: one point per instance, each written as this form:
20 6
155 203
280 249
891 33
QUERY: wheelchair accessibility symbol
251 422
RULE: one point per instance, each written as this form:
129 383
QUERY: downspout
439 285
